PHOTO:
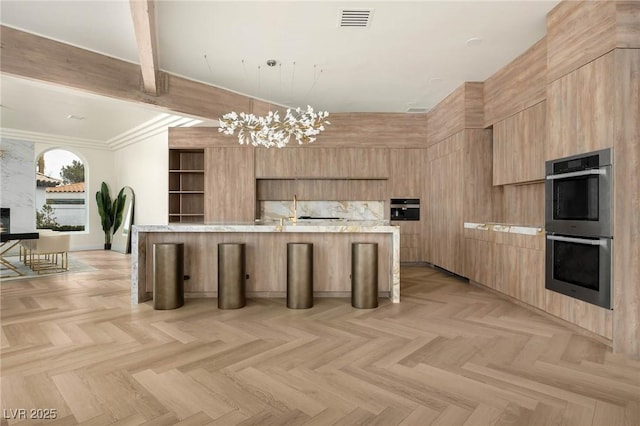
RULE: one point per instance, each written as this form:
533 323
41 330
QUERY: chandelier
272 131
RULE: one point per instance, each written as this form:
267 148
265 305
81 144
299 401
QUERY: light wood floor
448 354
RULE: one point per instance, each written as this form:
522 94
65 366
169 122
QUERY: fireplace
5 220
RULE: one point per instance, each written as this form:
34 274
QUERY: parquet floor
448 354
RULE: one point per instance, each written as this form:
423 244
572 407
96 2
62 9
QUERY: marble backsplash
351 210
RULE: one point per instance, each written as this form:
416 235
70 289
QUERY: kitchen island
266 255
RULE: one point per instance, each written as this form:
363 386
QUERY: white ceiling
412 55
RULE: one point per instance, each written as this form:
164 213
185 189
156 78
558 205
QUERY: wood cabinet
580 110
186 185
230 184
519 271
322 163
459 190
322 189
518 146
510 263
408 179
444 209
478 257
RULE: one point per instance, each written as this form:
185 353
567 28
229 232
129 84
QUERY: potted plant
110 212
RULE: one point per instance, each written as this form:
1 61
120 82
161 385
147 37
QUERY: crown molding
149 129
140 133
53 139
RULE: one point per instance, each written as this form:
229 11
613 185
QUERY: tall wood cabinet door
230 184
580 110
518 146
445 211
407 178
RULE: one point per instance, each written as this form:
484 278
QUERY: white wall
98 165
18 183
144 167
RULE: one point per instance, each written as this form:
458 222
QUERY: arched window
60 201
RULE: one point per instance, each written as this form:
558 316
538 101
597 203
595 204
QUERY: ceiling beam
33 57
144 24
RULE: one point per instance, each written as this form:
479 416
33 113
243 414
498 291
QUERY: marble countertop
503 227
302 225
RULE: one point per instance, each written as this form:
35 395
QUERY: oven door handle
574 240
580 173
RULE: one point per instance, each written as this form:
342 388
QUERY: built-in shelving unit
186 185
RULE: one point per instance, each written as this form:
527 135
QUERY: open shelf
186 185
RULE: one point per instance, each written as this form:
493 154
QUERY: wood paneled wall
524 205
462 109
519 85
581 31
366 130
580 109
34 57
199 137
626 196
382 130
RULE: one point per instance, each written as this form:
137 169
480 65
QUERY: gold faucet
294 219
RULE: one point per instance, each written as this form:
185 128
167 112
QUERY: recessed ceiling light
75 117
474 41
435 80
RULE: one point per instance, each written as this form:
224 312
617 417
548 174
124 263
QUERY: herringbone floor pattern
448 354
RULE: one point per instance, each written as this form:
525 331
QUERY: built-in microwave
404 209
580 267
578 194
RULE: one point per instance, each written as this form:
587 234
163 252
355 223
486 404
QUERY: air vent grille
417 110
355 18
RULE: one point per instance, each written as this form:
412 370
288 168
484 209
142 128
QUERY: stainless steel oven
578 194
580 267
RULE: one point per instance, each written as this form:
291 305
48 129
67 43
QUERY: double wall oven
578 225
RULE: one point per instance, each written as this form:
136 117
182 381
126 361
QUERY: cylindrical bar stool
168 275
231 276
299 275
364 275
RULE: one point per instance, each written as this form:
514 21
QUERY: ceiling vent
417 110
355 18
